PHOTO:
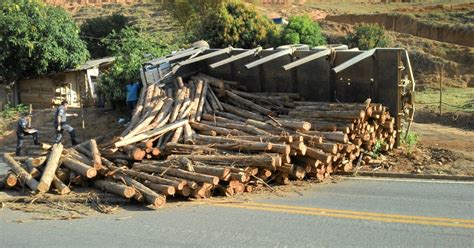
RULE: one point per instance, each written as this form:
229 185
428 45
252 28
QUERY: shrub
236 25
131 48
95 29
368 36
302 30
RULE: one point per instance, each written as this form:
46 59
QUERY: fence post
440 90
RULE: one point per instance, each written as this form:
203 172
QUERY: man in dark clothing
24 129
60 123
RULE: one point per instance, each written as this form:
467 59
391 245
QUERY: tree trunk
49 171
79 167
20 172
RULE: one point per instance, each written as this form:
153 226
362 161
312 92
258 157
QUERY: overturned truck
227 121
330 73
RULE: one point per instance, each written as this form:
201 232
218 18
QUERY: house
78 86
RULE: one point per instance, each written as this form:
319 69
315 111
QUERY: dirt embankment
404 23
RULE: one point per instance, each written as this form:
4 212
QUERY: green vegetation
454 99
9 112
95 29
302 30
409 141
375 153
131 48
37 39
368 36
190 14
236 25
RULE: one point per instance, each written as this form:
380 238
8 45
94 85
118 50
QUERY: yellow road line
276 208
398 216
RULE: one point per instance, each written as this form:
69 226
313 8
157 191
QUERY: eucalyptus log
177 173
49 171
20 172
155 199
269 161
79 167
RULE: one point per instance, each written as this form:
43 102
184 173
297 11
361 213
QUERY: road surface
352 212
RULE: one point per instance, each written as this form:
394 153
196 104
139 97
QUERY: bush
36 39
368 36
302 30
131 48
95 29
238 26
10 112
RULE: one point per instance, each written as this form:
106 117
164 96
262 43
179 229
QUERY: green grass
454 99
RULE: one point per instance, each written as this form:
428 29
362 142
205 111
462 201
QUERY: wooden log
197 97
203 126
202 191
186 148
235 118
218 119
240 146
179 185
293 124
79 167
60 186
160 188
269 161
326 147
153 198
134 152
334 136
249 104
9 180
95 154
152 133
242 113
49 171
177 173
201 102
319 155
20 172
185 192
213 171
36 162
343 114
249 129
188 134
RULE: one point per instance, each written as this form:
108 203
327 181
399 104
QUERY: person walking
24 129
132 97
60 123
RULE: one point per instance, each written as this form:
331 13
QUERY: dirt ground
441 150
97 122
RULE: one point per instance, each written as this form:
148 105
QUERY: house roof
93 63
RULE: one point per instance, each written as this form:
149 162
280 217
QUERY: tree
190 14
236 25
131 48
37 39
302 30
368 36
95 29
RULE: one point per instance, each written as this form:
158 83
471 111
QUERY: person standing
132 97
60 123
24 129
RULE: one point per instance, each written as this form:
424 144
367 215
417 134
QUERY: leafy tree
302 30
368 36
131 48
190 14
234 24
37 39
95 29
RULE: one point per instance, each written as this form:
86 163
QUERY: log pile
209 137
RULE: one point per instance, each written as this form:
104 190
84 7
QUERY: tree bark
49 171
20 172
79 167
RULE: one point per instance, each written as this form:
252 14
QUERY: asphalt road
354 212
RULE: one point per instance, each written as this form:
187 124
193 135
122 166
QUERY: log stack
209 137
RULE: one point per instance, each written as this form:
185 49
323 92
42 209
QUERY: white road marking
442 181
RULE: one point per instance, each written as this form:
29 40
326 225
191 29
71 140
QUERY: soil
97 122
440 150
